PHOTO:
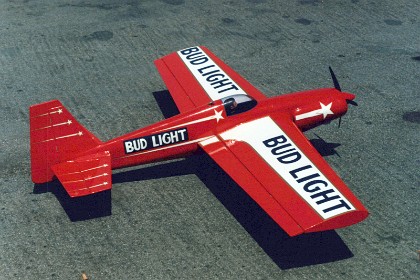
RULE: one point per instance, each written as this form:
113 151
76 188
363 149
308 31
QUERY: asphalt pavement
186 219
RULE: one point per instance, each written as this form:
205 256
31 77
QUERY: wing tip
340 221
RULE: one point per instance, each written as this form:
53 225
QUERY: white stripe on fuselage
287 160
211 77
325 110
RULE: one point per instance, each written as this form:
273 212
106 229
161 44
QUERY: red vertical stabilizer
55 136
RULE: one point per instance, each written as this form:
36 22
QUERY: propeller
334 78
349 97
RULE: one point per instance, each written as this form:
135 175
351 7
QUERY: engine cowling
320 112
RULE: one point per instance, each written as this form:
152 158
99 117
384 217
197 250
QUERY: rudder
55 136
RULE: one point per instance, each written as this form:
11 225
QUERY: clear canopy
239 103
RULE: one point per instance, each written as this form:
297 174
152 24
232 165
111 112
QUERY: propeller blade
352 102
339 122
334 78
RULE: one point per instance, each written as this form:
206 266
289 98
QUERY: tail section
86 174
56 137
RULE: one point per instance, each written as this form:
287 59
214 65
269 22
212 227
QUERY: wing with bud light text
195 77
277 166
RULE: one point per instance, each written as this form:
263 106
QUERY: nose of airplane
349 97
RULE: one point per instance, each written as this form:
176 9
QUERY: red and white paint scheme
257 140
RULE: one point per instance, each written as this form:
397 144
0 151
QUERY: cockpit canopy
239 103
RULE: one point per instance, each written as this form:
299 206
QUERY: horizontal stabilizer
85 175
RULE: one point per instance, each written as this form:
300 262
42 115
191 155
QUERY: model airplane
255 139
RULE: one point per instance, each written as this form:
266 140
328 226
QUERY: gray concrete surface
186 219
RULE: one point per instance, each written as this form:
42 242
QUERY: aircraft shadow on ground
323 147
80 208
166 103
287 252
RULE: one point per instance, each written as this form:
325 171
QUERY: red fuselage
179 136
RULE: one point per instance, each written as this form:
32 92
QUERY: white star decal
218 115
326 110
